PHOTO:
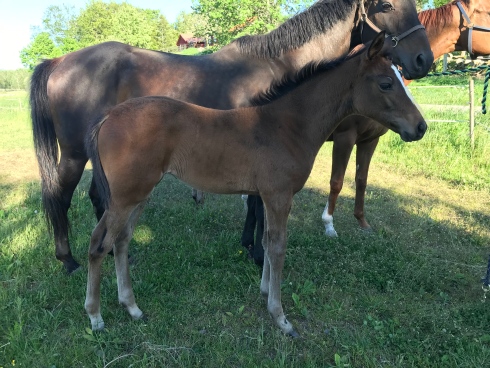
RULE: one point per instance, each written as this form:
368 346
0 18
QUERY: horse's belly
224 182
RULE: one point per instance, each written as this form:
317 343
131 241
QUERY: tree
189 22
228 19
42 47
101 21
58 22
166 35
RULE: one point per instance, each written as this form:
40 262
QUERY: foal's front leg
343 144
365 153
276 214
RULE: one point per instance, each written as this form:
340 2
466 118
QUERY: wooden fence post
472 113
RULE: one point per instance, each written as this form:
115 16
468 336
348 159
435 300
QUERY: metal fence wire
471 70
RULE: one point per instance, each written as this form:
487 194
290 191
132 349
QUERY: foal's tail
46 143
98 174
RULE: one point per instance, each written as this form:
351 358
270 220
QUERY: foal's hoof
293 334
97 325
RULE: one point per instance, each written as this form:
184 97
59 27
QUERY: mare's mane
433 18
289 82
298 30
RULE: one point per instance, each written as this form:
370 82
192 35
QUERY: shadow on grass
171 216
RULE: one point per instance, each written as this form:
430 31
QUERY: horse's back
88 82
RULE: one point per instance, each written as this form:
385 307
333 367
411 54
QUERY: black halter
470 26
394 39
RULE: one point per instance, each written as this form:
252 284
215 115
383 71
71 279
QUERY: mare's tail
46 145
98 174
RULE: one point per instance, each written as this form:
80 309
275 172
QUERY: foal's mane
435 17
289 82
298 30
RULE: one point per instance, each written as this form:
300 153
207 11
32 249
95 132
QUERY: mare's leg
198 196
255 217
124 288
96 202
277 209
70 170
342 148
249 226
365 153
258 249
103 239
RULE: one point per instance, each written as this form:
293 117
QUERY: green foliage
189 22
65 31
42 47
229 19
14 79
58 22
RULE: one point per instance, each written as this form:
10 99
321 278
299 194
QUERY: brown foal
265 150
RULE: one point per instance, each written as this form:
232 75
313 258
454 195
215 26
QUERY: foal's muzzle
416 135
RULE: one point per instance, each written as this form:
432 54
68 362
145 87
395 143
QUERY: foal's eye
386 86
387 7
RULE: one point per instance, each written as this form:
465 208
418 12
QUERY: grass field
408 294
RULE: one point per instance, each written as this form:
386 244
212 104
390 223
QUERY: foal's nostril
422 127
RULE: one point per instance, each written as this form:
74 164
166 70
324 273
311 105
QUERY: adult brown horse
448 29
266 150
67 93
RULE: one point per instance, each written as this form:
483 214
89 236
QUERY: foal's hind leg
365 153
106 233
124 289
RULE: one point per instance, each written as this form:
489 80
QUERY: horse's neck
443 36
331 44
315 108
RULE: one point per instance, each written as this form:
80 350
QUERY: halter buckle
395 40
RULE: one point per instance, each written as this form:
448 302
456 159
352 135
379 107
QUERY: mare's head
379 94
398 18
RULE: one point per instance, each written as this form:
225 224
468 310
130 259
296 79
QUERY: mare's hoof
72 267
367 230
259 260
331 233
293 334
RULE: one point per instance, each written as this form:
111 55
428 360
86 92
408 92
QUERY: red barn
187 40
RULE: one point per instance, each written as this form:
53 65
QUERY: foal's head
380 94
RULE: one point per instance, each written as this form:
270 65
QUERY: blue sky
18 16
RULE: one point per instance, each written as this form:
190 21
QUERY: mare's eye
387 7
385 86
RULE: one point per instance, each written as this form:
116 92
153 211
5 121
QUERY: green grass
406 295
191 51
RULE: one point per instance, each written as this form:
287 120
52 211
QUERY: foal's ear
377 45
